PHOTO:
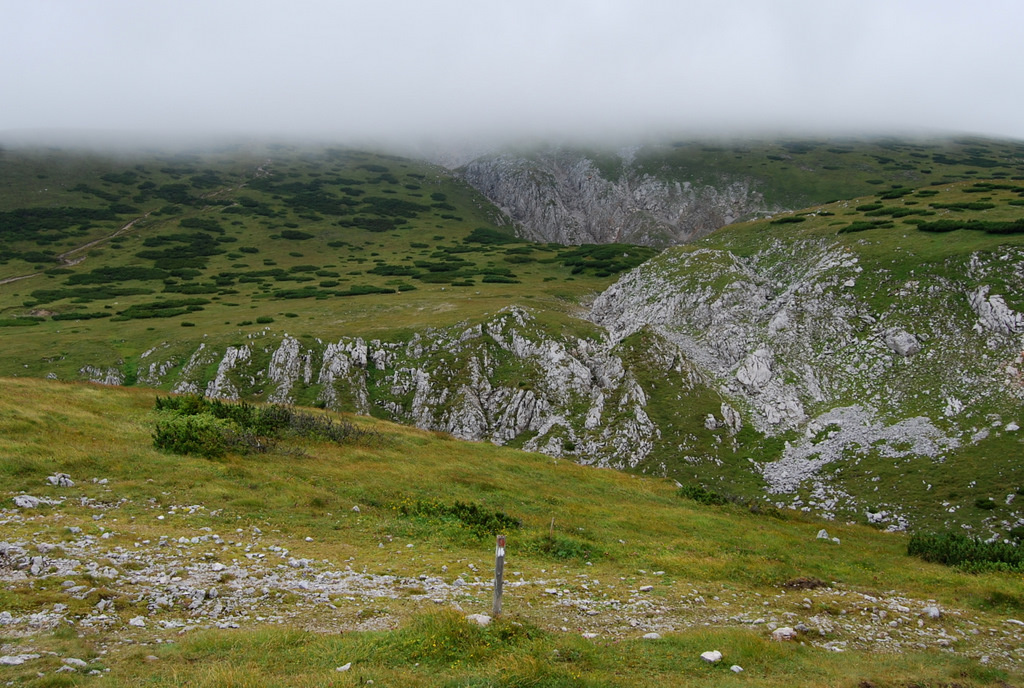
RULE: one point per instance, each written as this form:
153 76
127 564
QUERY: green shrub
954 549
199 435
701 495
244 427
472 516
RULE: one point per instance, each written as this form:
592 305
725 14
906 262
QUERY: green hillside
278 566
802 172
330 242
378 284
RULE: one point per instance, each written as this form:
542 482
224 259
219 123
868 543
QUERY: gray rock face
993 313
902 342
104 376
560 399
561 196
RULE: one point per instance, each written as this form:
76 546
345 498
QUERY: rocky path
132 573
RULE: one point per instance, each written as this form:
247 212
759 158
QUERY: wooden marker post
499 574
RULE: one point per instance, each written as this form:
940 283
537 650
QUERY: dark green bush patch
973 554
946 225
295 235
162 309
19 322
195 425
469 515
701 495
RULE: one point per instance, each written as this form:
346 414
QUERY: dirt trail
64 258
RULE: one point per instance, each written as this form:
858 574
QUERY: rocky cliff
859 371
508 380
565 197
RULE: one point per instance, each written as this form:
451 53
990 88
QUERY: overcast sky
441 69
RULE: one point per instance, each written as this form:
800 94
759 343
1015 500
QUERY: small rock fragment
479 619
75 662
652 636
646 588
735 668
26 501
344 667
823 534
14 660
60 480
137 621
932 612
712 656
783 634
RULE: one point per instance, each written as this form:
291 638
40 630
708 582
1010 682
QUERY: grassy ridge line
628 526
797 173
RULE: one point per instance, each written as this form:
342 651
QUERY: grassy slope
253 199
800 173
627 527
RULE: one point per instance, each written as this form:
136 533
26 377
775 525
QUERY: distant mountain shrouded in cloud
404 70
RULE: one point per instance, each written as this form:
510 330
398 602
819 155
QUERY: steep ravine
564 197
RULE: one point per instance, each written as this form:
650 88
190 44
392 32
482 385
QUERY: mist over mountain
447 71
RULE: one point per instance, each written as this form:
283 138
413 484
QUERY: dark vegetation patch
106 275
213 428
604 260
20 322
162 309
47 225
701 495
1007 227
80 316
81 295
964 205
469 515
967 553
191 251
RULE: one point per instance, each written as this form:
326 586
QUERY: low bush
970 554
212 428
472 516
701 495
198 435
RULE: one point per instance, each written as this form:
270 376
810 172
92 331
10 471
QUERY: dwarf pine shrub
969 554
212 427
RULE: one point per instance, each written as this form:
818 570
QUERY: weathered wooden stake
499 574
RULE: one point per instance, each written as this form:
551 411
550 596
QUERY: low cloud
422 71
